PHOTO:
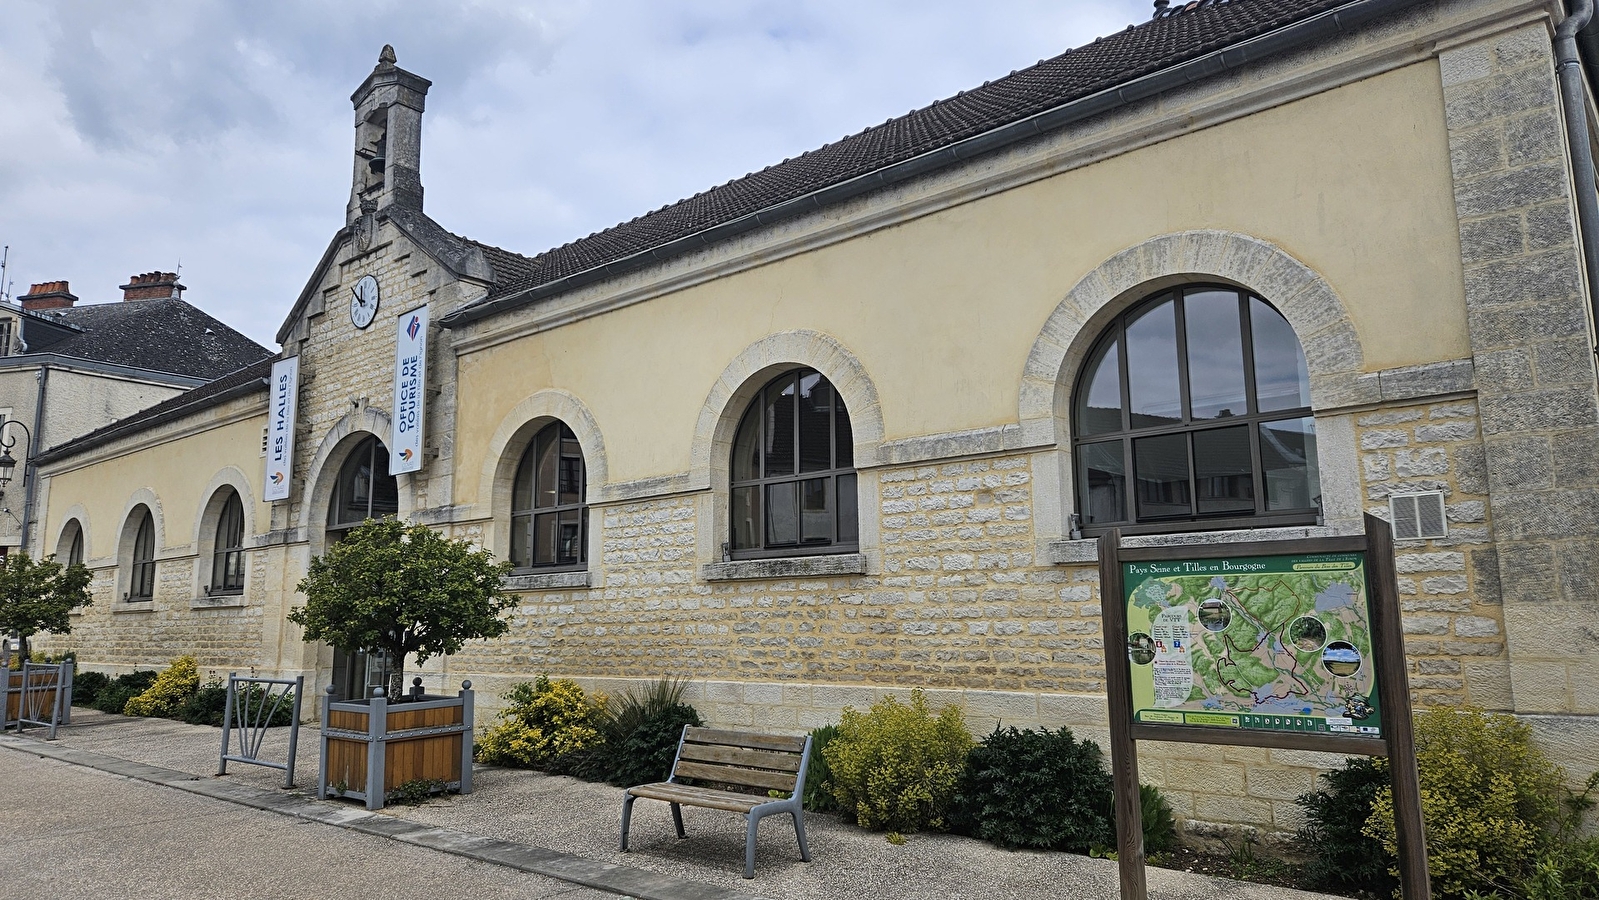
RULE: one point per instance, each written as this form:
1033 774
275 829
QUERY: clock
364 302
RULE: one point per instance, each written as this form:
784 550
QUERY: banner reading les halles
284 390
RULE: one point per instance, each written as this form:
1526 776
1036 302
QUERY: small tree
39 596
402 589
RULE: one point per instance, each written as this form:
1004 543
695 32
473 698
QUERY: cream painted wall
942 310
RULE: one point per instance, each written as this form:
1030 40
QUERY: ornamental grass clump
639 734
171 688
896 767
547 725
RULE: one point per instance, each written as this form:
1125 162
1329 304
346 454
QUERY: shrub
209 704
1160 827
1569 872
171 688
547 725
114 697
1490 799
1342 857
1039 789
639 735
86 687
818 774
896 767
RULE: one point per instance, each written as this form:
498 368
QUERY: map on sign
1277 643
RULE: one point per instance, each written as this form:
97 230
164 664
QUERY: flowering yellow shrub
896 767
545 725
177 684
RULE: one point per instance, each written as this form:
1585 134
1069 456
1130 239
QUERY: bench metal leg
749 847
627 816
799 832
677 819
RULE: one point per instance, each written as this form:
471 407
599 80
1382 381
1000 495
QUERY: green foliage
404 589
208 705
169 691
415 792
40 596
818 774
639 734
1037 789
1491 802
1342 857
86 687
1160 827
1568 872
549 725
896 767
115 696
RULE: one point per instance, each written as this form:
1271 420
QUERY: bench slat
697 796
780 742
777 781
739 756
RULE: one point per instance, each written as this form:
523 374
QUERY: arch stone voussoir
1319 317
713 432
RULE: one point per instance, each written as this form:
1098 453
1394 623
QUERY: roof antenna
176 277
5 260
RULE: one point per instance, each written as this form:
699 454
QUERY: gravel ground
580 818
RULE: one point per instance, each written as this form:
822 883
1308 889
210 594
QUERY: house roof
241 382
1174 36
171 336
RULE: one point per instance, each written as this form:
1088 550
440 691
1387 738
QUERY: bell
376 164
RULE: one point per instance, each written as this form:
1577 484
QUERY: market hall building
850 424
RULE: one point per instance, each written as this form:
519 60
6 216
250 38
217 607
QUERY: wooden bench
755 763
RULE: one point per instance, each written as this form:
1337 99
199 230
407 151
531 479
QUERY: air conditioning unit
1418 516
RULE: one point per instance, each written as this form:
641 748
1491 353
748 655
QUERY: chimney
153 286
49 295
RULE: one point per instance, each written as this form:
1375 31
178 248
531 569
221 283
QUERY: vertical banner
284 392
410 379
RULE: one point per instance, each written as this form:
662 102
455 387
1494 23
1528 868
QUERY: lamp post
8 465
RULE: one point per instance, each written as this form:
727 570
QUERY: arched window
365 489
793 473
549 521
69 550
1200 394
141 582
227 554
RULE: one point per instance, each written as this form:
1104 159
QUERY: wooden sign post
1292 645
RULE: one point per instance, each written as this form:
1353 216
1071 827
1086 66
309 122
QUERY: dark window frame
1188 426
833 476
141 582
227 553
375 455
75 547
523 547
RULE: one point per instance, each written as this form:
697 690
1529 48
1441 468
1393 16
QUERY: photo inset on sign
1341 659
1308 634
1214 615
1141 648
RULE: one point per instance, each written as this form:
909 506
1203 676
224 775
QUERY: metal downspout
1573 99
28 467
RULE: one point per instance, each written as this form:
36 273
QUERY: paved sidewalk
567 828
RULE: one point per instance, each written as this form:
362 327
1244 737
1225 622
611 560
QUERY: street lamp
8 463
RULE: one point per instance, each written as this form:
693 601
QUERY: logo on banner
413 328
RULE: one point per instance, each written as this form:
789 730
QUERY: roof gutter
1317 28
1574 100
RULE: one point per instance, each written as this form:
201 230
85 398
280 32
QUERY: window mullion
1248 337
1185 413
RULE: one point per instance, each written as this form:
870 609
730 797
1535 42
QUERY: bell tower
388 139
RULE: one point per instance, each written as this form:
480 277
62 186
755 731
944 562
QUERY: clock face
364 302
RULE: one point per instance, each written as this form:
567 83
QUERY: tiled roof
247 380
1174 36
171 336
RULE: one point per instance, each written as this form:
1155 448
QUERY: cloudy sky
136 134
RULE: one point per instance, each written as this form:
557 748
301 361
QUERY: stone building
849 424
66 370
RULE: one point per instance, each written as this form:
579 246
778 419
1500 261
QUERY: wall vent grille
1418 516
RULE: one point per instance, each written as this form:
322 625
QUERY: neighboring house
1247 270
66 370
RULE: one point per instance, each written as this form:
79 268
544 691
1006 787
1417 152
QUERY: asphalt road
71 832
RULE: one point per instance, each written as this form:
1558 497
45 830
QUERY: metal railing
248 715
43 696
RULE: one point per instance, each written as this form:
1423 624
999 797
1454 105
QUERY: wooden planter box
371 747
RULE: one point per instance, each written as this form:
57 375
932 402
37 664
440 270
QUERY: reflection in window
72 536
549 521
365 489
141 586
793 471
1194 408
227 557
